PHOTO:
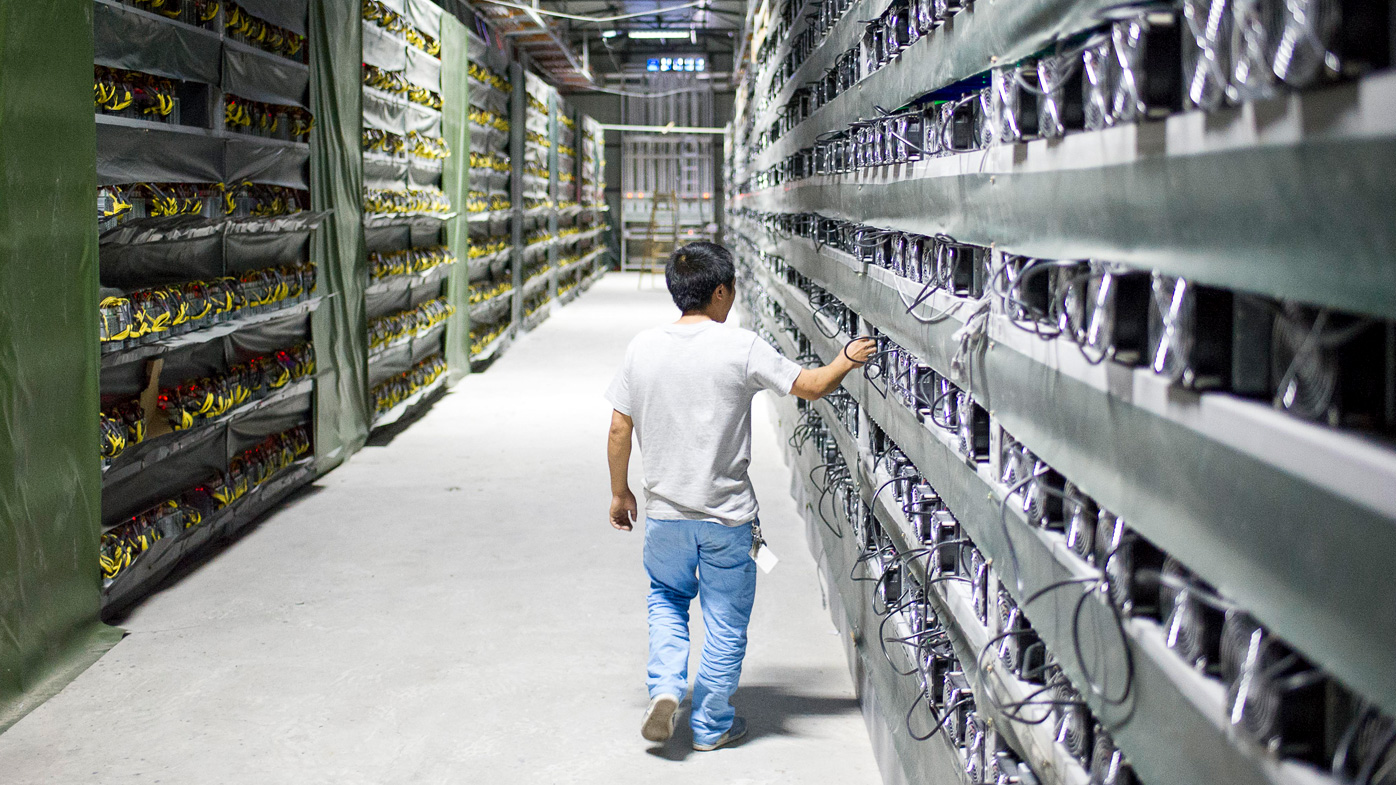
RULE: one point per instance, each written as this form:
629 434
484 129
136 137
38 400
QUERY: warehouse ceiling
600 44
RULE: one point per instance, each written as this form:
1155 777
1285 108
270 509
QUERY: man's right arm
815 383
623 506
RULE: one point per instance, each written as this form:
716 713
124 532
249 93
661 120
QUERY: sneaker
660 717
733 735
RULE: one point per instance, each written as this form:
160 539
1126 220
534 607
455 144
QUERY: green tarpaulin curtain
455 181
336 164
50 475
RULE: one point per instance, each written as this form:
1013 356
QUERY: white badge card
765 559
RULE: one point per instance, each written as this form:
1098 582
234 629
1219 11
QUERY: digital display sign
690 64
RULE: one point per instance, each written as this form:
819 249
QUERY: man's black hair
695 271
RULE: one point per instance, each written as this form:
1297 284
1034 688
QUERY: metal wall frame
1293 521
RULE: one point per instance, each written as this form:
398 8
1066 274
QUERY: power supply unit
972 429
1208 339
1061 102
891 585
959 704
940 665
953 126
1131 565
1147 64
1273 695
962 269
947 542
1108 765
1079 511
921 504
1191 626
1333 368
944 9
975 568
921 382
1027 293
1004 767
903 473
865 529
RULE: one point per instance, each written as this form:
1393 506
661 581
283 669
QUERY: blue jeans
713 562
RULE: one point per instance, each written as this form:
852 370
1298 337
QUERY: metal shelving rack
229 205
1283 524
581 204
492 221
199 204
405 103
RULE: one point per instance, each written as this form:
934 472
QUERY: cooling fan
1079 511
1207 338
976 738
1272 694
1068 286
1131 565
1072 721
1146 49
1042 497
1108 764
1020 649
1014 461
1333 368
1206 52
1117 313
1191 627
1014 95
1096 58
1366 753
1060 107
1255 31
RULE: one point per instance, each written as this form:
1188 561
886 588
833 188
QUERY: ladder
654 257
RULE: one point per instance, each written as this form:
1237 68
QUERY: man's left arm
623 506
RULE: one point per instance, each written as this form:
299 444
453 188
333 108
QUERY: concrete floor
420 617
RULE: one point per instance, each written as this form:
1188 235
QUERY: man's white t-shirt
688 389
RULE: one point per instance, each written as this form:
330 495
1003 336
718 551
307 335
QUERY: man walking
685 392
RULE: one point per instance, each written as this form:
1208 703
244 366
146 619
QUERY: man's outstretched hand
624 510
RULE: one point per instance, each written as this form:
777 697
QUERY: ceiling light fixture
659 35
609 33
